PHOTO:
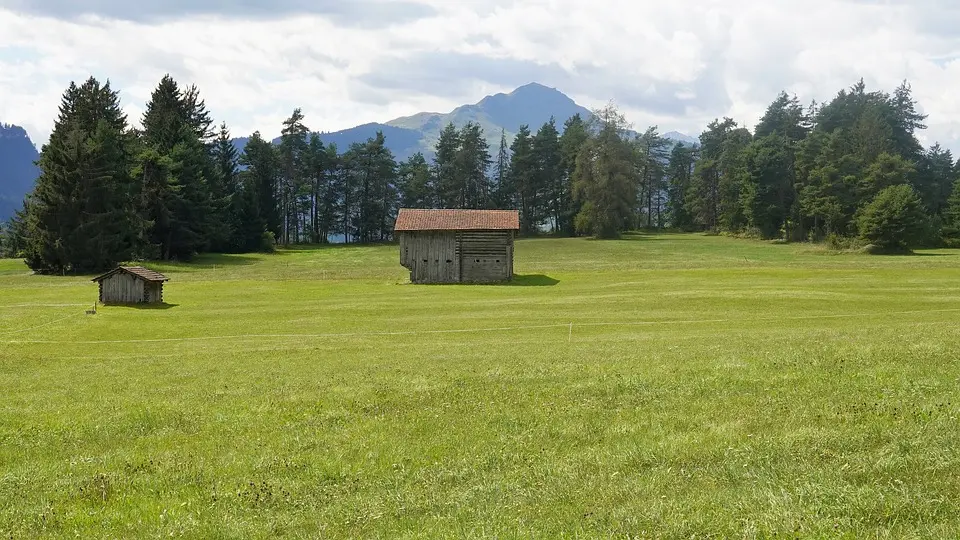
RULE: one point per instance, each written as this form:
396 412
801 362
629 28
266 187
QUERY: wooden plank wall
431 256
122 288
454 257
487 256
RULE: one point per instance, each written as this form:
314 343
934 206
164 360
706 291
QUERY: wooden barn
457 246
131 285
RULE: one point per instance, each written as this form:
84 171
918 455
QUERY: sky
676 65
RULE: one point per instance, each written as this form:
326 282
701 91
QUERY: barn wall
122 288
457 256
154 293
487 256
431 256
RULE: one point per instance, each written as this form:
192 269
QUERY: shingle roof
139 271
409 219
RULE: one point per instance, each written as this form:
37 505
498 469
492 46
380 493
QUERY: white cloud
674 64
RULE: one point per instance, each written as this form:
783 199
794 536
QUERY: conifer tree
548 176
503 192
523 178
605 178
575 134
80 216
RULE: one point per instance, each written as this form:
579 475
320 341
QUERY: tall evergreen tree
549 178
503 191
679 177
605 177
523 178
445 173
80 216
416 190
260 183
472 163
293 154
575 135
176 173
651 158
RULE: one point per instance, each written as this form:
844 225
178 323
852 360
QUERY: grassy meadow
657 386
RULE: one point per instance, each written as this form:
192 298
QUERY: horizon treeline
850 169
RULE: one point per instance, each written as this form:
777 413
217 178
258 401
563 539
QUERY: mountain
532 104
687 140
17 169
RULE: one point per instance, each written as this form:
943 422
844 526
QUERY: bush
268 242
893 221
843 243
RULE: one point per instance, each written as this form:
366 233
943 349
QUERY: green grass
709 387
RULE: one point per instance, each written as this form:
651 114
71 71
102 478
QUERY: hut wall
431 256
457 256
153 293
122 288
486 256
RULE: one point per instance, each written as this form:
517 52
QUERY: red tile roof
409 219
139 271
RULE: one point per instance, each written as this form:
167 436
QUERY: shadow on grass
210 261
294 248
531 280
519 280
152 307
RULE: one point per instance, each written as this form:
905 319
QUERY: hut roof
409 219
139 271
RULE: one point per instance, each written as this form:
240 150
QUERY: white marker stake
570 335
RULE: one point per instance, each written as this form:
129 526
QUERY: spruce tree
445 173
224 192
523 178
260 178
679 177
549 174
605 177
293 152
414 180
503 193
472 162
177 175
80 215
575 134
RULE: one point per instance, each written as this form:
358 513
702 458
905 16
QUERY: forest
849 172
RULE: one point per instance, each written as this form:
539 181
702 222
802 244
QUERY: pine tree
80 216
605 177
224 192
260 178
679 178
414 180
177 175
293 152
445 174
768 191
523 178
651 157
472 163
503 192
548 177
575 135
951 221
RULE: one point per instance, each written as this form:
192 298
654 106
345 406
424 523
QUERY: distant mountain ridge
532 105
18 171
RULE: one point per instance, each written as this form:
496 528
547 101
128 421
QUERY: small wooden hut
457 246
131 285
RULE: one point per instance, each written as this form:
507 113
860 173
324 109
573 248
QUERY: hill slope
17 170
